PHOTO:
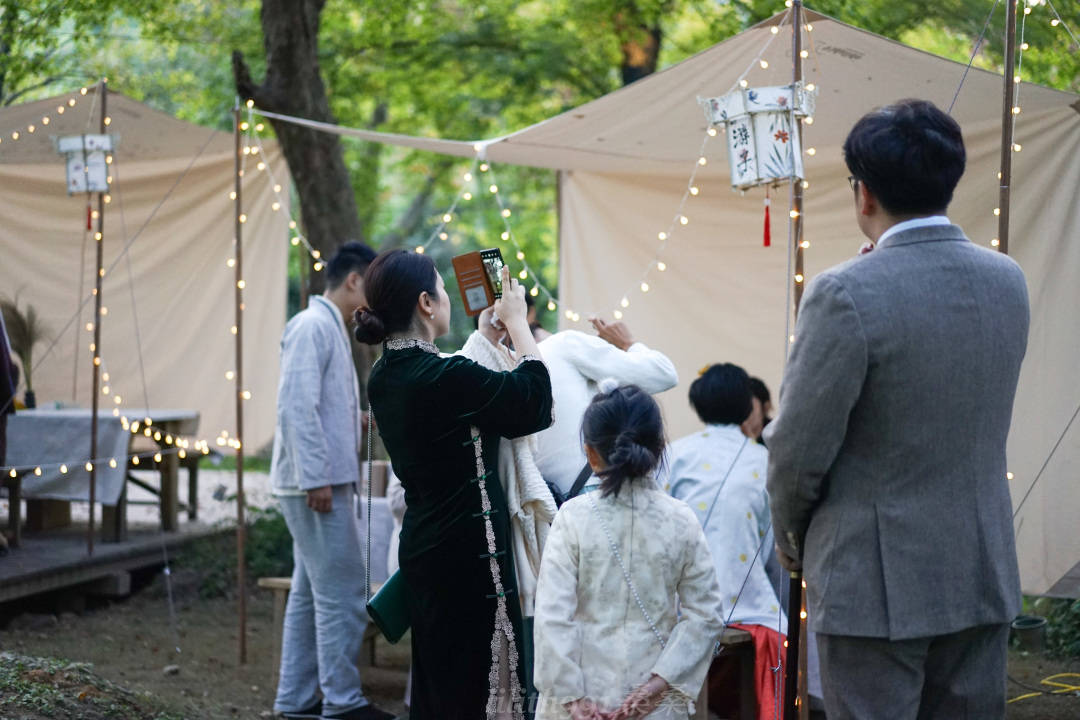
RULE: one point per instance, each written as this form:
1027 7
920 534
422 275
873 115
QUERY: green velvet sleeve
510 404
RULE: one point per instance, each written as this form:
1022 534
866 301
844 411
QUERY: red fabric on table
767 644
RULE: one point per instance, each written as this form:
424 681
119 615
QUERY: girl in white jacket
627 603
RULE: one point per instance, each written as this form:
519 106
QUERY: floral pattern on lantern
762 147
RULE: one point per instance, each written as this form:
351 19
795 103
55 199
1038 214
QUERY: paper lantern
762 149
87 163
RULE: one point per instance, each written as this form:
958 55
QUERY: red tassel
89 214
768 236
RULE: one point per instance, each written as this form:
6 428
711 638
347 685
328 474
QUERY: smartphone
493 265
479 277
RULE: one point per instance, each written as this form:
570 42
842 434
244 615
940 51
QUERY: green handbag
389 610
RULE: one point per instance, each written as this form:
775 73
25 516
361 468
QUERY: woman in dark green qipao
440 419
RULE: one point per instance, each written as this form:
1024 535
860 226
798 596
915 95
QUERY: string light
60 109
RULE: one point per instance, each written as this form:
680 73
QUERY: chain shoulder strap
626 575
367 563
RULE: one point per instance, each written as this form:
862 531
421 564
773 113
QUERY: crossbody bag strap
367 562
708 515
579 483
626 575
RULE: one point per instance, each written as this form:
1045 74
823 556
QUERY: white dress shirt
915 223
577 362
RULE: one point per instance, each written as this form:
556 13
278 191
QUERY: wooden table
166 423
54 510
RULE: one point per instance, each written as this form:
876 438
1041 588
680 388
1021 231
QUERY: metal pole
95 384
794 698
1007 102
241 530
791 661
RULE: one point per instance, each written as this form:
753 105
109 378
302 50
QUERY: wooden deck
57 559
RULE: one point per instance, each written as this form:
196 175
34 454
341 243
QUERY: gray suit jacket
887 458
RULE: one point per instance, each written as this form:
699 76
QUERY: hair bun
369 326
630 457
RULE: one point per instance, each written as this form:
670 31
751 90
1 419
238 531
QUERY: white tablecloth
49 437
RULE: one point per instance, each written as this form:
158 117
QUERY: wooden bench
740 644
281 586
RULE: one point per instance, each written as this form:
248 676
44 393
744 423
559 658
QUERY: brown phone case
473 282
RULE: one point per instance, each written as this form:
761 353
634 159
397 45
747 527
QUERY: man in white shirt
577 362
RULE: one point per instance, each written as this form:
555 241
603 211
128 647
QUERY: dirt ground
129 643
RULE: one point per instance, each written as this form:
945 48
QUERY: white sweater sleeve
597 359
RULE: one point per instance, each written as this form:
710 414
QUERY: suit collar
932 233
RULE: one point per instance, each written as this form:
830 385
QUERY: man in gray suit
887 458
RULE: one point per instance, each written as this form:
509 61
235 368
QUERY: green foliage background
447 68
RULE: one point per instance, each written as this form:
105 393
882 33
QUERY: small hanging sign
762 149
87 169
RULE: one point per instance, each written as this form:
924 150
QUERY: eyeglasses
852 181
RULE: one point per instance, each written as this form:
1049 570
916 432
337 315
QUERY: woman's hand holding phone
513 312
511 308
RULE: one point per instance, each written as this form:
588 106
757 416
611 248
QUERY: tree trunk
294 86
639 41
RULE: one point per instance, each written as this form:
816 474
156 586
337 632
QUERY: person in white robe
627 604
576 362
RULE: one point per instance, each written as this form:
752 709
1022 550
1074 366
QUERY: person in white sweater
576 362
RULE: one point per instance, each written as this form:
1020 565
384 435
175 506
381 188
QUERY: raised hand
615 333
511 308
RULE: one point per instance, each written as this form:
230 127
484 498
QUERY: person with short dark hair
760 412
721 395
720 472
441 420
313 472
887 467
610 634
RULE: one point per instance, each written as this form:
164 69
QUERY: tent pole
794 696
95 386
797 194
1007 102
239 295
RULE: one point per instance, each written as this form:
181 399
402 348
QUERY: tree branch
248 88
30 88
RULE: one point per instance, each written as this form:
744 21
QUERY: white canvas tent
624 160
177 284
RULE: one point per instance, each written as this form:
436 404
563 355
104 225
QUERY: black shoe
365 712
314 712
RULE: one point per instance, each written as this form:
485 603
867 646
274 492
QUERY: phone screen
493 265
